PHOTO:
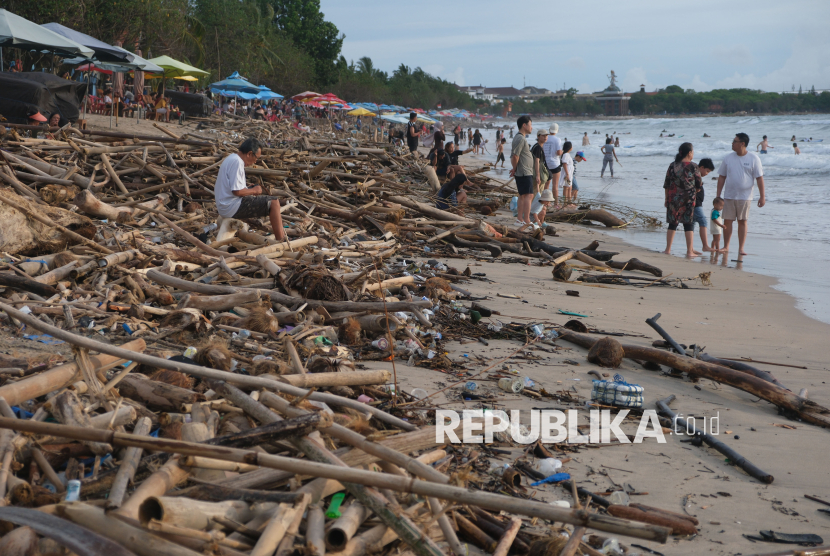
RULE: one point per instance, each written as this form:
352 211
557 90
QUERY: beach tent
18 32
361 112
23 93
103 52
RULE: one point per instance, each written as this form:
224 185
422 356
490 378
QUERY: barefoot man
736 176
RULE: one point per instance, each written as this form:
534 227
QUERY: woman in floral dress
682 180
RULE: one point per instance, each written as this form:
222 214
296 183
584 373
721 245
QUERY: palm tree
366 67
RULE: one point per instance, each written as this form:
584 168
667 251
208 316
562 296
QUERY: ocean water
788 238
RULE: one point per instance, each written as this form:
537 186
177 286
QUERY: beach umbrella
306 95
313 103
361 112
329 98
93 67
18 32
267 94
174 68
103 51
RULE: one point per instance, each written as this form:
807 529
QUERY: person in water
796 149
764 144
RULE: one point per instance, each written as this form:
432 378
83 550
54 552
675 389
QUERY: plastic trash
561 504
514 205
619 498
241 335
538 330
612 547
528 382
549 466
334 507
381 344
191 351
363 398
419 393
514 385
471 386
555 478
73 491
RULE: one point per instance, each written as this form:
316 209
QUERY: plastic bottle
619 498
241 335
419 393
514 385
209 228
612 547
381 344
471 386
549 466
514 205
73 491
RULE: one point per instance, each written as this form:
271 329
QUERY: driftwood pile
235 408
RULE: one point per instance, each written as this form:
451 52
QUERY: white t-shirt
741 173
231 178
550 147
536 206
569 162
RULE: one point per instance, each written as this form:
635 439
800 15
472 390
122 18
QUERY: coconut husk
259 320
435 287
174 378
318 284
172 431
349 332
268 366
214 355
395 217
486 210
64 258
576 326
562 272
607 352
55 194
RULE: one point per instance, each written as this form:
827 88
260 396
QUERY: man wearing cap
540 167
522 162
412 133
553 150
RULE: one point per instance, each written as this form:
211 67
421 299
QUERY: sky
701 45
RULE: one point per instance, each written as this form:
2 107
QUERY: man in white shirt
736 176
234 199
553 150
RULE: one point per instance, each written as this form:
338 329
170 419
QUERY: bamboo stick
129 464
166 478
314 534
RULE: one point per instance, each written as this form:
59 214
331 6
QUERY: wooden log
128 467
314 536
221 302
140 541
54 276
273 432
430 210
66 408
806 409
636 264
744 368
734 457
392 282
194 514
341 531
166 478
476 535
678 526
158 396
11 280
577 215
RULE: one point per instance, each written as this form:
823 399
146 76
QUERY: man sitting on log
234 199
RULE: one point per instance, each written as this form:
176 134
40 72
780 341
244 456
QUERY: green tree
304 23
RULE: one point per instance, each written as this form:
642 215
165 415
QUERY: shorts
735 209
444 204
716 230
701 219
413 147
763 152
524 185
575 187
500 158
161 110
253 206
556 170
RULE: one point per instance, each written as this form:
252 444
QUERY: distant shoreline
668 116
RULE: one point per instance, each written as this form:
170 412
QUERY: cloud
633 79
576 62
809 60
697 84
737 55
456 76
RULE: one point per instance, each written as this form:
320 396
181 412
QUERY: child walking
501 153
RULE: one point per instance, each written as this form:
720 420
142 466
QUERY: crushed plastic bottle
549 466
619 498
241 335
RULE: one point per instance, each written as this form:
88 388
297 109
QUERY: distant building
491 94
613 100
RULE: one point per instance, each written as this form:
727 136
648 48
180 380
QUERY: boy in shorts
716 222
234 199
